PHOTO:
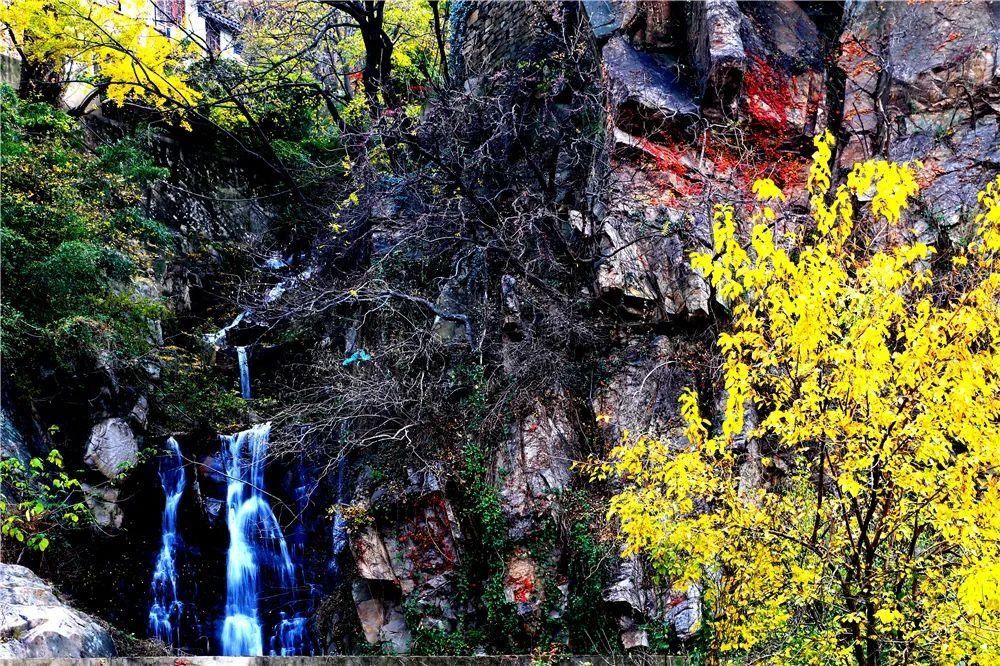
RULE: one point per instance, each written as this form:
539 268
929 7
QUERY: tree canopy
111 46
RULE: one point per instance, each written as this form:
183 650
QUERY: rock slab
112 448
35 624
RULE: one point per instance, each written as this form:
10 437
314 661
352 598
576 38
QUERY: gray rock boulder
35 624
112 448
102 500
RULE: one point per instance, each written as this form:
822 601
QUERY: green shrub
73 241
39 502
483 499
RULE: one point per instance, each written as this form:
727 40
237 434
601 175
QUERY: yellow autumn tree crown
110 44
845 507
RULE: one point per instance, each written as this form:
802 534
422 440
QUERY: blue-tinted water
165 611
241 355
258 558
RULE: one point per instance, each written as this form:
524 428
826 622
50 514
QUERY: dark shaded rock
651 82
785 32
12 442
140 412
382 619
642 396
605 16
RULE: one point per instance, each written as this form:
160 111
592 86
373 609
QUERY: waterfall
338 533
165 612
258 556
291 637
241 355
219 338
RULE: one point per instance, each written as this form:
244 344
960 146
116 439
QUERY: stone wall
485 34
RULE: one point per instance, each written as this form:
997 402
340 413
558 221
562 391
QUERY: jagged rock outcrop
412 561
645 238
923 84
35 624
533 467
382 619
639 599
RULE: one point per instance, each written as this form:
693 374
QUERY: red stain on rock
766 94
428 541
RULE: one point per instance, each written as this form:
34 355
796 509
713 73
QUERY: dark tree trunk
40 82
439 36
376 77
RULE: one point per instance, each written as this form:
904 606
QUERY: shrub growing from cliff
848 507
74 239
40 501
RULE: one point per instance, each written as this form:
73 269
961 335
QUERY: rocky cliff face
702 99
459 368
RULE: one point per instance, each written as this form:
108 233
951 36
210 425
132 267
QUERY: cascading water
338 533
258 556
241 355
219 338
165 612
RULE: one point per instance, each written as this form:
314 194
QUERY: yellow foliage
411 25
875 387
102 43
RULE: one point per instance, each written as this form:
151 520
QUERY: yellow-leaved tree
845 506
112 46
